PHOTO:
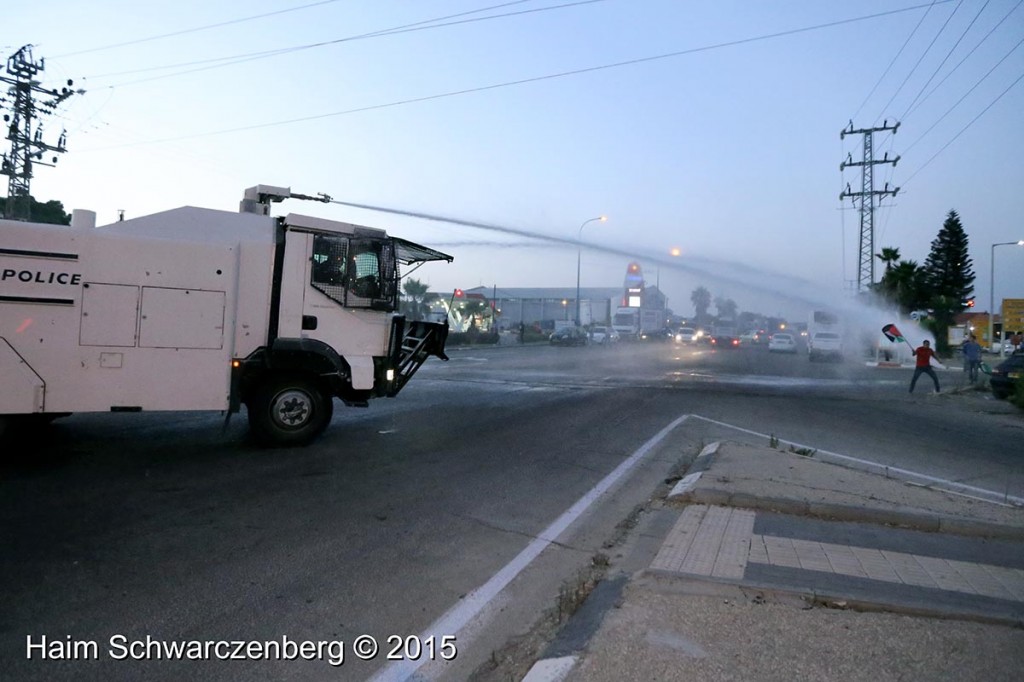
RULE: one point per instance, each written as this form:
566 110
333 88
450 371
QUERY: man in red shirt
924 354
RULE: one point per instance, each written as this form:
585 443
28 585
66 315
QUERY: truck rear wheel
289 410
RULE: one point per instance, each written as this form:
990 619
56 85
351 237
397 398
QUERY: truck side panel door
110 315
294 276
181 318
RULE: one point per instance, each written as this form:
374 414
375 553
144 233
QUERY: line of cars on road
578 336
821 344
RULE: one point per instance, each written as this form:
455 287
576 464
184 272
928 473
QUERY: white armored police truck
199 309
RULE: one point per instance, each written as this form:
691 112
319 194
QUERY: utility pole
27 100
866 266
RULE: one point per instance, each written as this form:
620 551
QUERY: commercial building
545 305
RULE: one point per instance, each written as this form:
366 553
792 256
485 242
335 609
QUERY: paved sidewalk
781 566
900 569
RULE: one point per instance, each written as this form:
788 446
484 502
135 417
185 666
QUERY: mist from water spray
762 281
859 318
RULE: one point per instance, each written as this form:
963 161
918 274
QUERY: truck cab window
329 264
329 259
364 269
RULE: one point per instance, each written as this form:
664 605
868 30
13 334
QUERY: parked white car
687 335
825 345
782 343
604 336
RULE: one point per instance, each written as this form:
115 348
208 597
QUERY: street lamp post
579 252
992 296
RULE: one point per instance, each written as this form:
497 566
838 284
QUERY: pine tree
949 277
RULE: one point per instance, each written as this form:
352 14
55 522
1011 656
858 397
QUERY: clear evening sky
709 126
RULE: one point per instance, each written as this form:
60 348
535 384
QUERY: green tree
949 278
888 255
50 212
701 299
726 307
473 310
906 286
415 292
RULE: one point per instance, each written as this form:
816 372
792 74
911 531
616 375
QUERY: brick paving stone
908 569
875 565
673 551
944 575
844 561
1010 578
700 560
781 551
758 551
811 556
731 561
983 582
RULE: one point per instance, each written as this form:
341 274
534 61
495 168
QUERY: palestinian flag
892 333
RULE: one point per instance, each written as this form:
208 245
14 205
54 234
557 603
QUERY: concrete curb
932 523
703 460
717 587
551 669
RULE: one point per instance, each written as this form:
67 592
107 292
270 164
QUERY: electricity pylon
866 266
28 103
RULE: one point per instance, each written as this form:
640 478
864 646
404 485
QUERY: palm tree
726 307
701 299
415 291
472 310
889 255
906 285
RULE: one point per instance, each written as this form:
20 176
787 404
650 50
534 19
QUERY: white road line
473 603
944 484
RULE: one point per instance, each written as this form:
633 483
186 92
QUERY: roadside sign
1013 314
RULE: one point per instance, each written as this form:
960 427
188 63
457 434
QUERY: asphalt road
163 525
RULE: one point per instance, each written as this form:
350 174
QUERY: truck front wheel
289 410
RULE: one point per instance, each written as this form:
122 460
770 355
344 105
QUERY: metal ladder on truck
419 340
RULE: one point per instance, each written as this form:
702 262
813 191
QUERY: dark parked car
569 336
1007 375
663 334
725 337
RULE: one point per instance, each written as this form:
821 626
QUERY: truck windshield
624 318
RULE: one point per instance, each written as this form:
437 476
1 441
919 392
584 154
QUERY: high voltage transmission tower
867 194
27 102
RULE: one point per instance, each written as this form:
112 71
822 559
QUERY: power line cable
890 173
967 56
944 59
964 96
194 30
408 28
964 129
920 59
897 56
553 76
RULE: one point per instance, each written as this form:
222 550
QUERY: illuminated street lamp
579 251
992 296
